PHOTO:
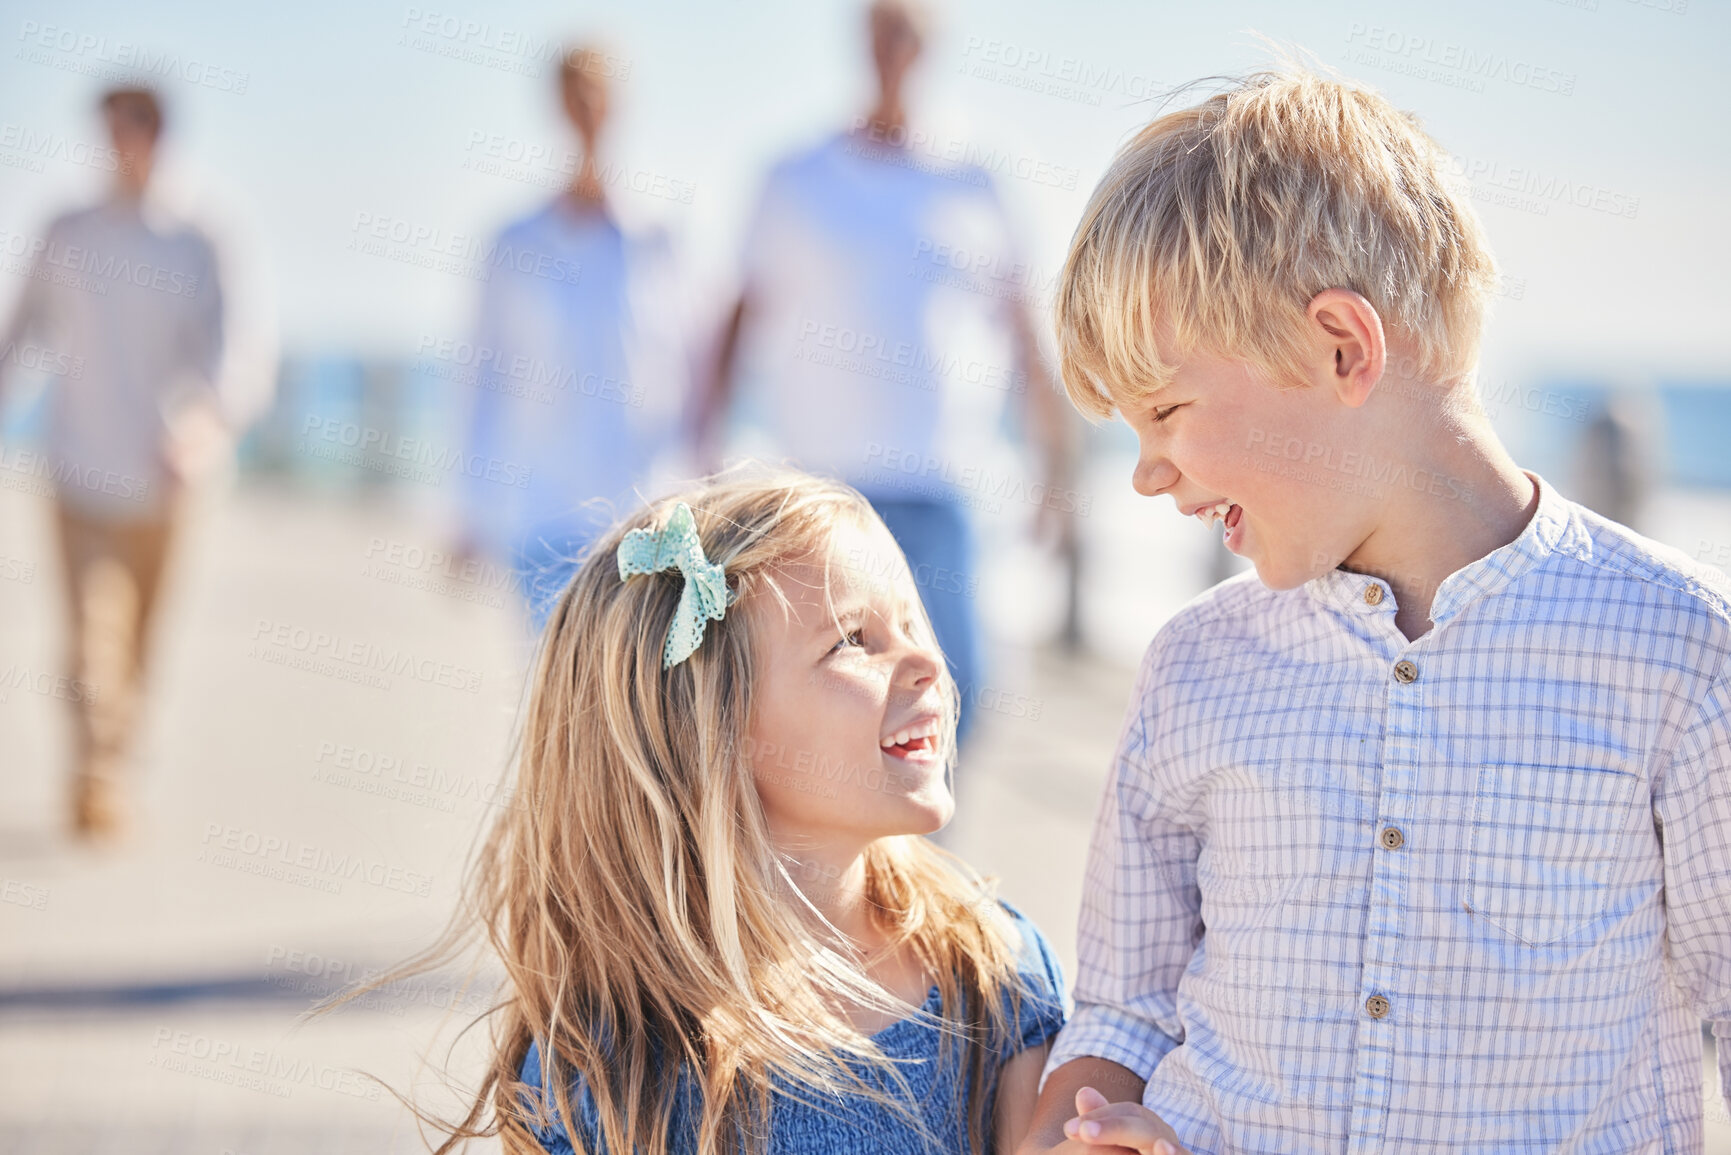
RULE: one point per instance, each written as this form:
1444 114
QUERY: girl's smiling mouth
916 741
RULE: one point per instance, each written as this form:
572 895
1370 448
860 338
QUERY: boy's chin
1281 574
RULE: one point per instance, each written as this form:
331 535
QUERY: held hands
1100 1124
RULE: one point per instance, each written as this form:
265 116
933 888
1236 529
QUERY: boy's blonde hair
1217 224
652 937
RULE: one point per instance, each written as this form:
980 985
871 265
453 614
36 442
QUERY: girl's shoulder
1038 995
551 1129
552 1135
1034 1005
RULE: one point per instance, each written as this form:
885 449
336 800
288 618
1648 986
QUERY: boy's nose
1153 476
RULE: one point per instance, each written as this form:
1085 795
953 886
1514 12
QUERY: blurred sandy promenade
306 809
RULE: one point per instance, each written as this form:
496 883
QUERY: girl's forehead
865 556
859 566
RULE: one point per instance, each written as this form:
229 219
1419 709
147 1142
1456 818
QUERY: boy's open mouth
1228 514
1222 511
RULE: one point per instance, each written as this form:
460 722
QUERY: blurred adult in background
128 299
1616 464
884 298
584 363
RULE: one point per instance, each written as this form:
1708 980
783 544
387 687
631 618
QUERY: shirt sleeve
766 235
1040 1003
1141 918
239 322
1692 804
553 1137
485 430
28 315
203 344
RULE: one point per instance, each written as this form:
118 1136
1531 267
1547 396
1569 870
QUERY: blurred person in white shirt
130 297
583 364
886 313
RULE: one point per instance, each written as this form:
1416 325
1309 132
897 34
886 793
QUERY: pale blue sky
340 118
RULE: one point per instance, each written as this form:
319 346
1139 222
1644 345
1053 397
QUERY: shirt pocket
1544 846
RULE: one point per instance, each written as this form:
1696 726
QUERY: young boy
1419 838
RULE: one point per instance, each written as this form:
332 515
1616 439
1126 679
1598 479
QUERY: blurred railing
379 402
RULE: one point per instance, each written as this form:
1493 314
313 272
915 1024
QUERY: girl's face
847 722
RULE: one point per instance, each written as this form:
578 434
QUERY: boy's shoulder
1616 553
1241 618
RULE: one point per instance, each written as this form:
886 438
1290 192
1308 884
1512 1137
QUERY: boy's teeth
1213 513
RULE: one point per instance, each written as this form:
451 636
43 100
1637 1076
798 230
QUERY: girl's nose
919 668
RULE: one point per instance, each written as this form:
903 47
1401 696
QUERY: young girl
721 929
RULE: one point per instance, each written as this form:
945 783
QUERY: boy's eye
1163 414
851 638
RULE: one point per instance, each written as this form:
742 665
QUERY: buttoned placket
1379 995
1403 676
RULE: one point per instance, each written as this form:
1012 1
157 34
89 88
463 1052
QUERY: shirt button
1377 1006
1373 594
1392 838
1405 672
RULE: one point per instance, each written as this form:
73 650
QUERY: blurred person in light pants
889 308
582 365
129 301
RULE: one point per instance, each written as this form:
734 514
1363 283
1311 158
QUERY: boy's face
1284 458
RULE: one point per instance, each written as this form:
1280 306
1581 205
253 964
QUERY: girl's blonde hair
1222 221
645 921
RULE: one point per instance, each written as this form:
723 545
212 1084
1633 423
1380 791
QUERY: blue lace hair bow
677 546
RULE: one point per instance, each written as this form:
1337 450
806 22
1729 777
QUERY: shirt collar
164 207
618 213
1348 591
921 147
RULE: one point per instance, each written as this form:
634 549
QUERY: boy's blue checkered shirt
1480 902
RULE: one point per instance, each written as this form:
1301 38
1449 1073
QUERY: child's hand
1102 1124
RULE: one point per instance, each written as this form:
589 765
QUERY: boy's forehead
1173 354
1127 399
1201 368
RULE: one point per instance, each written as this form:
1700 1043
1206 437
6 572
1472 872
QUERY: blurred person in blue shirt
582 365
887 313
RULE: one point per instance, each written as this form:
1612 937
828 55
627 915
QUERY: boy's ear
1348 339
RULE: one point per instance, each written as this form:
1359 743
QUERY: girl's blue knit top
864 1127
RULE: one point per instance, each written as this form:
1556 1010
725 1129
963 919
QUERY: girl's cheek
859 681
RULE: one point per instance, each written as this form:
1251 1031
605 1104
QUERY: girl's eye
851 638
1163 414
